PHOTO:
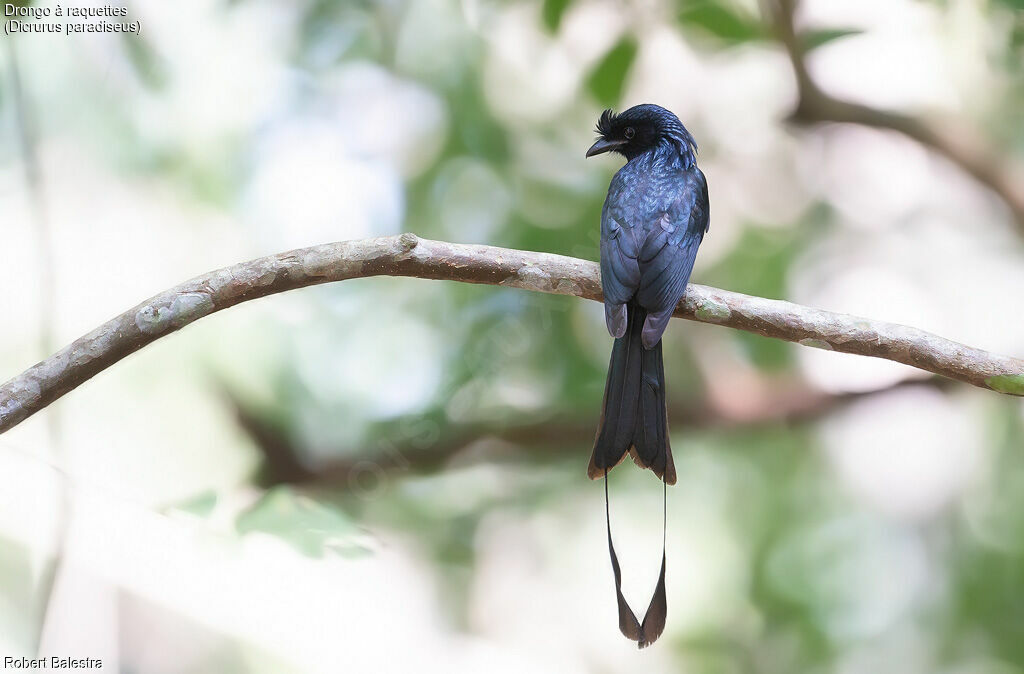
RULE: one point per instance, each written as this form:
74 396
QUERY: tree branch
27 136
962 146
408 255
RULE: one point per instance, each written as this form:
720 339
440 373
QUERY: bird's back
651 202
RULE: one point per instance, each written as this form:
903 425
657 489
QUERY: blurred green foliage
608 78
508 359
723 21
311 527
552 12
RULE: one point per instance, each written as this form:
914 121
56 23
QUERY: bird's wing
666 257
620 270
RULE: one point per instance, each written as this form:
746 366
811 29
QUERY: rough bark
408 255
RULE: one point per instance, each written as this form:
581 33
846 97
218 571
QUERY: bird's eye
630 132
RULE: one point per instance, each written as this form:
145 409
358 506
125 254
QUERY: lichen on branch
411 256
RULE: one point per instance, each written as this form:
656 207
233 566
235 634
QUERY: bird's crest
606 123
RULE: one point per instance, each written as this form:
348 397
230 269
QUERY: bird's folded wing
620 272
666 258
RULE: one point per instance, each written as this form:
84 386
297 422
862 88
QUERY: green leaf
310 527
1012 384
552 12
608 79
148 64
722 22
200 505
813 39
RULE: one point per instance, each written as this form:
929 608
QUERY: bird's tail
634 418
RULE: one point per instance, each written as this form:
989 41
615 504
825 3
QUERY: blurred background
389 474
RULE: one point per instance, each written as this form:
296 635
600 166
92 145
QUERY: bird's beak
602 146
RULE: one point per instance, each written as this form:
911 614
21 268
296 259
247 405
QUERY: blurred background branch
285 460
955 140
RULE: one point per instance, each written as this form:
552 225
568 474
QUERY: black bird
654 219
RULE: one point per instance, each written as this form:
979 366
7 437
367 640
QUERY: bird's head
640 129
